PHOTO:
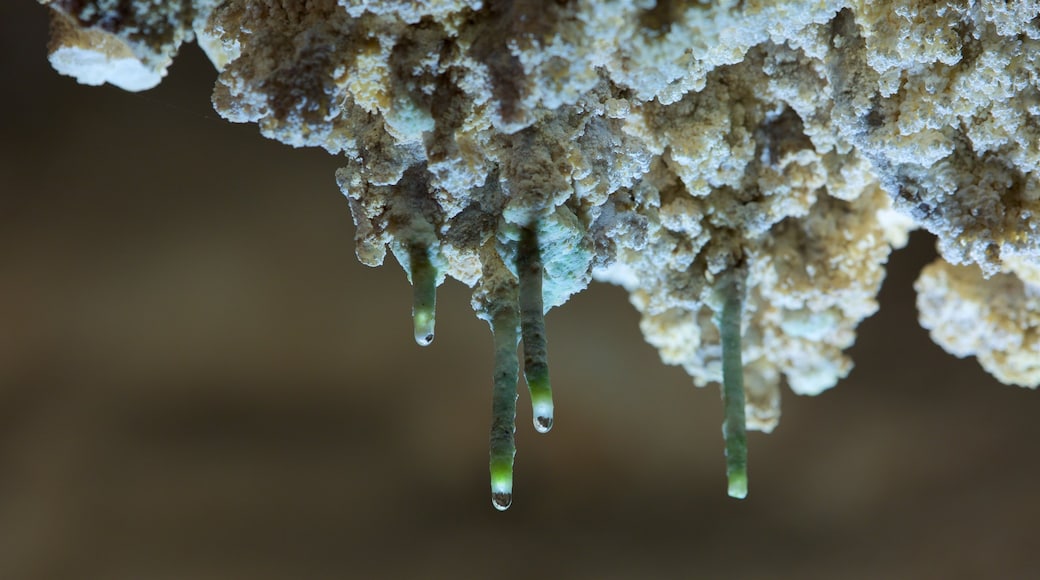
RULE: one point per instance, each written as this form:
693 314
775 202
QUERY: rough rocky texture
128 43
997 320
658 146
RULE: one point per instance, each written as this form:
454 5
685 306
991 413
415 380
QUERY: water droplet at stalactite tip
424 294
505 326
734 428
532 323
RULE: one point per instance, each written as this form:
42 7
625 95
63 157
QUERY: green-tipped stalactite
532 323
424 294
505 325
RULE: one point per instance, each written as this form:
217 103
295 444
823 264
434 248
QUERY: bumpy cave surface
777 149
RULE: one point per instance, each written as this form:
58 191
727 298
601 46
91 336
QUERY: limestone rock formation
663 146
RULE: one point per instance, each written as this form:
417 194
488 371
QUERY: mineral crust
658 146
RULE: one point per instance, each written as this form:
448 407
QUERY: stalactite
424 294
733 427
532 324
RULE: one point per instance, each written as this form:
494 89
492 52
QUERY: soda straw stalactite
734 426
505 325
532 324
424 293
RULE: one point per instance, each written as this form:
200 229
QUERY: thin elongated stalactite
532 324
505 326
424 294
734 428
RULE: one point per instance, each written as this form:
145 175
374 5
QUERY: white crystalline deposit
658 145
997 320
127 43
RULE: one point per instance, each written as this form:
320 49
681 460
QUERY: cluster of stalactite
743 168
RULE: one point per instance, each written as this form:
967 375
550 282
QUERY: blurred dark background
198 380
